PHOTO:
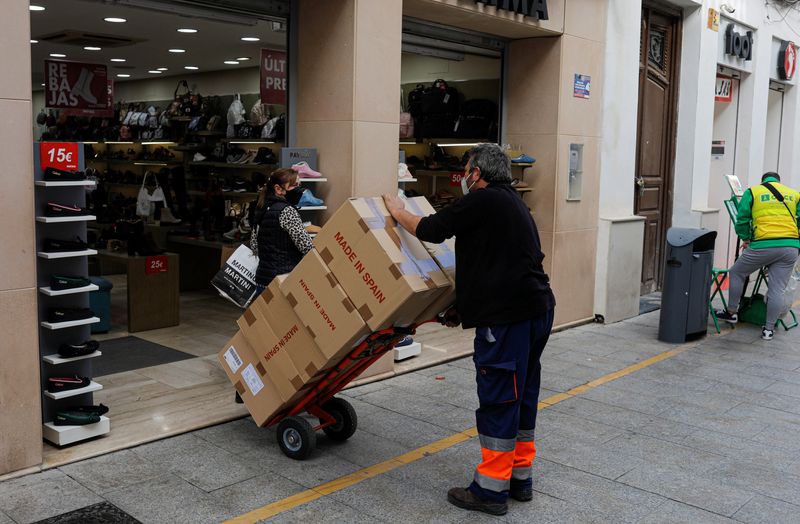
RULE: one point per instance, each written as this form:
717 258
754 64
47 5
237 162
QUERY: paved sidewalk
711 433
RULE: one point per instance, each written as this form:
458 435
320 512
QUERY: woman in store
282 239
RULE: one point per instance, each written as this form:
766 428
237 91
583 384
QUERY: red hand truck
337 419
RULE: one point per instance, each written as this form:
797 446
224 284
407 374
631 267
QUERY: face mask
464 187
293 195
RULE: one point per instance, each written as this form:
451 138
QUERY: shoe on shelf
62 282
57 384
67 314
239 186
78 350
198 157
102 409
52 174
403 172
767 334
75 418
308 199
305 171
54 209
465 499
265 156
518 183
168 218
249 157
232 235
55 245
523 159
724 315
405 341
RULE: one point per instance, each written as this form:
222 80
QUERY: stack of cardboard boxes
364 274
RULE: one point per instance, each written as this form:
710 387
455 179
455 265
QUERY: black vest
277 253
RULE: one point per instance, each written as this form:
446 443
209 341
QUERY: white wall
426 69
243 81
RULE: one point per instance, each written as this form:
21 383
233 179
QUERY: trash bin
100 304
687 284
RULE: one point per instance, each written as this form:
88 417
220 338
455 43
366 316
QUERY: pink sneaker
306 172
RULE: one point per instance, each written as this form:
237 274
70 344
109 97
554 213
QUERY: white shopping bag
236 281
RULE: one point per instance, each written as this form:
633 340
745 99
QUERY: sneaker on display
523 159
239 186
308 199
198 157
767 334
305 171
78 350
265 156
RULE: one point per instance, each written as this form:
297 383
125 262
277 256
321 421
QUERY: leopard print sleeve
290 221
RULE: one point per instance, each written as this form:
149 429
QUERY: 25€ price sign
155 264
60 155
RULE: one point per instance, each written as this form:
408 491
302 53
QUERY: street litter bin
687 284
100 304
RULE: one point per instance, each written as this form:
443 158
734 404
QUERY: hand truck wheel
296 438
346 419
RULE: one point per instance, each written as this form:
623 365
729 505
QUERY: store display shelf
229 165
56 359
208 133
93 386
310 179
63 435
59 292
137 162
66 254
313 208
404 180
521 164
69 324
71 183
435 172
251 141
56 220
524 189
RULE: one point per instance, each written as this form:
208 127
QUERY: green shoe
75 418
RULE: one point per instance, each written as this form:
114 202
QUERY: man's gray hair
493 162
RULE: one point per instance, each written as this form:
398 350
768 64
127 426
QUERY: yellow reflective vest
771 218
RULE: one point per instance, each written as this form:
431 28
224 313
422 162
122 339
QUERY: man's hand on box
451 318
393 204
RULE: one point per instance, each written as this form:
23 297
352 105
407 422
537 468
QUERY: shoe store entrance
156 122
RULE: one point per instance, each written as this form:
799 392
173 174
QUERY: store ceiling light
231 62
36 8
250 38
243 58
177 50
154 72
34 41
115 20
162 68
123 75
92 48
58 55
191 68
187 30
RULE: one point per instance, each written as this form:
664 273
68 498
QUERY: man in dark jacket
504 293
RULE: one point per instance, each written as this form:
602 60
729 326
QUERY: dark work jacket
499 273
277 253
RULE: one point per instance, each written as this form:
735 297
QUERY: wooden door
659 59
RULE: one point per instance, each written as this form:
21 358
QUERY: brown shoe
464 498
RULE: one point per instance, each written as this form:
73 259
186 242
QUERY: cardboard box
292 333
445 256
249 377
323 307
386 272
271 351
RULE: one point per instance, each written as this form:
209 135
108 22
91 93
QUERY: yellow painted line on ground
304 497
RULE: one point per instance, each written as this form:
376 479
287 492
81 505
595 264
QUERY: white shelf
404 180
411 350
58 292
58 359
313 179
71 323
66 254
63 435
94 386
55 220
71 183
313 208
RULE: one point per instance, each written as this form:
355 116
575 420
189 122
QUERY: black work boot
521 494
464 498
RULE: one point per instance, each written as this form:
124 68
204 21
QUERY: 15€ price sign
60 155
155 264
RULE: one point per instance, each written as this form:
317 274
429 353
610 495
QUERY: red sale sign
273 77
75 85
60 155
155 264
455 178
